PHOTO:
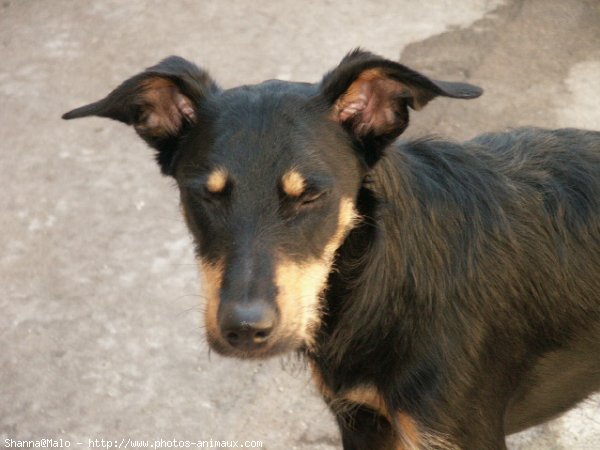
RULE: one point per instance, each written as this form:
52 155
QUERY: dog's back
504 233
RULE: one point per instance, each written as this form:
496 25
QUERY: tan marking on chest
368 396
408 436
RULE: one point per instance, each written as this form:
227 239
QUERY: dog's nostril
247 336
261 336
232 337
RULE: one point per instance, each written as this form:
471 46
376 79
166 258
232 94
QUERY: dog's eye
311 198
204 196
210 197
302 207
207 192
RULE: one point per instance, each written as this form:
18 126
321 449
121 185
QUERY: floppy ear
370 96
161 103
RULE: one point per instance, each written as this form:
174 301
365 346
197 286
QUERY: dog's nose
247 325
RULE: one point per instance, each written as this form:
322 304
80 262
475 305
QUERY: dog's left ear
370 96
161 103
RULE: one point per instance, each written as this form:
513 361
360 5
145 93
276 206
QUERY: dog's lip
264 351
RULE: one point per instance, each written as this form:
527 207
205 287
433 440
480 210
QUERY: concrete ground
101 331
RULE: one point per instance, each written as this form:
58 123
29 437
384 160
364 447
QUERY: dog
444 294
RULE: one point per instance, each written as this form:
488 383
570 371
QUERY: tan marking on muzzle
293 183
299 288
212 278
301 284
217 180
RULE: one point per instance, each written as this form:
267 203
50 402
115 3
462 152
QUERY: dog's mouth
278 345
261 328
266 333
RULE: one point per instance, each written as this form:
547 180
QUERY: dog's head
268 176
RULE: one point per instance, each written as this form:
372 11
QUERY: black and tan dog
444 294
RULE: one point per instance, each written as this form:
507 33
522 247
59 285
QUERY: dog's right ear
161 103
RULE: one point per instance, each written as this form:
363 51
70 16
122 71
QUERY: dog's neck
372 283
363 288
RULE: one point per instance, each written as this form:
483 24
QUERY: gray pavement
101 333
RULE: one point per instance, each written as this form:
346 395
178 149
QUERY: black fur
493 247
467 295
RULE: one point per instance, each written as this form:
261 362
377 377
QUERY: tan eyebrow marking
293 183
217 180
